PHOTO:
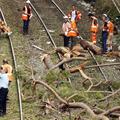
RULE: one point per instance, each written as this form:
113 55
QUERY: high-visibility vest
110 27
73 25
73 30
24 15
72 33
78 17
8 69
94 38
94 28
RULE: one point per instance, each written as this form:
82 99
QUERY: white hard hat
105 15
65 17
28 1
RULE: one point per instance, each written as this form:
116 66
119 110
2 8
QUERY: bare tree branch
72 105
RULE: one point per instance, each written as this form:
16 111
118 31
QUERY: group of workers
6 69
5 79
70 29
70 33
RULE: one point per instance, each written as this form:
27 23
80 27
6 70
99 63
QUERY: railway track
94 58
116 3
52 38
12 58
49 29
104 76
33 40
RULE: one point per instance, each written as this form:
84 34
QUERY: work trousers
94 37
72 41
25 26
66 41
104 40
3 97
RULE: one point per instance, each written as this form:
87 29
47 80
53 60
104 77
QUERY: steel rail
46 29
83 39
15 66
115 4
118 2
48 33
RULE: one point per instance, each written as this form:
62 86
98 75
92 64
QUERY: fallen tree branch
72 105
98 110
84 75
109 92
67 60
49 88
117 108
111 95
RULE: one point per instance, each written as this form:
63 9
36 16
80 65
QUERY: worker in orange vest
74 14
8 69
110 35
26 16
110 26
79 16
94 29
65 28
72 33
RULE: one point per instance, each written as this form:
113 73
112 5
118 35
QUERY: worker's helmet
90 14
28 2
5 61
105 15
65 17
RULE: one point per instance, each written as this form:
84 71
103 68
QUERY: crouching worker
26 16
4 28
8 70
3 91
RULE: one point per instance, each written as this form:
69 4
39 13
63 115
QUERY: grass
31 107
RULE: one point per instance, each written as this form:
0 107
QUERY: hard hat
65 17
105 15
28 1
5 61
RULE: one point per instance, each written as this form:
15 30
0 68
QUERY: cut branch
111 95
72 105
117 108
67 60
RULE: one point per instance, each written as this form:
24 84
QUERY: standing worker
110 35
3 91
94 29
104 33
8 69
73 33
65 28
74 14
110 26
26 16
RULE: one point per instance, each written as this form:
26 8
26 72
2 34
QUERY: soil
28 58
